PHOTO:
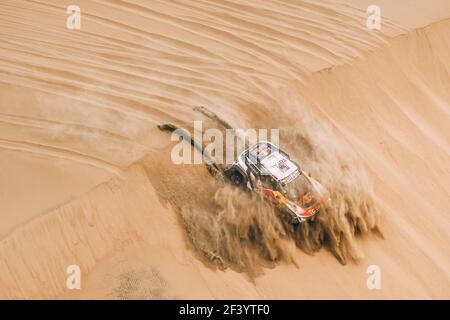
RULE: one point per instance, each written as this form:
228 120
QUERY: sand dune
86 176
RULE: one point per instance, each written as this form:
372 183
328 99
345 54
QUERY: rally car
265 169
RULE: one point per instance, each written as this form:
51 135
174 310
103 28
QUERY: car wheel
236 178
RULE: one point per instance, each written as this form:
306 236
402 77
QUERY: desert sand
86 176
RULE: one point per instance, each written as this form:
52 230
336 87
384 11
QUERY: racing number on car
281 165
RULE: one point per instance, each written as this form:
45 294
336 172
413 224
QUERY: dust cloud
236 229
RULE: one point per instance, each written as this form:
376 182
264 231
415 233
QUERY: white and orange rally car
265 169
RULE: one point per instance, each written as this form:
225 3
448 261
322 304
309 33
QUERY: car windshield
297 188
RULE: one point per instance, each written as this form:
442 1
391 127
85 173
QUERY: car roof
269 160
261 149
